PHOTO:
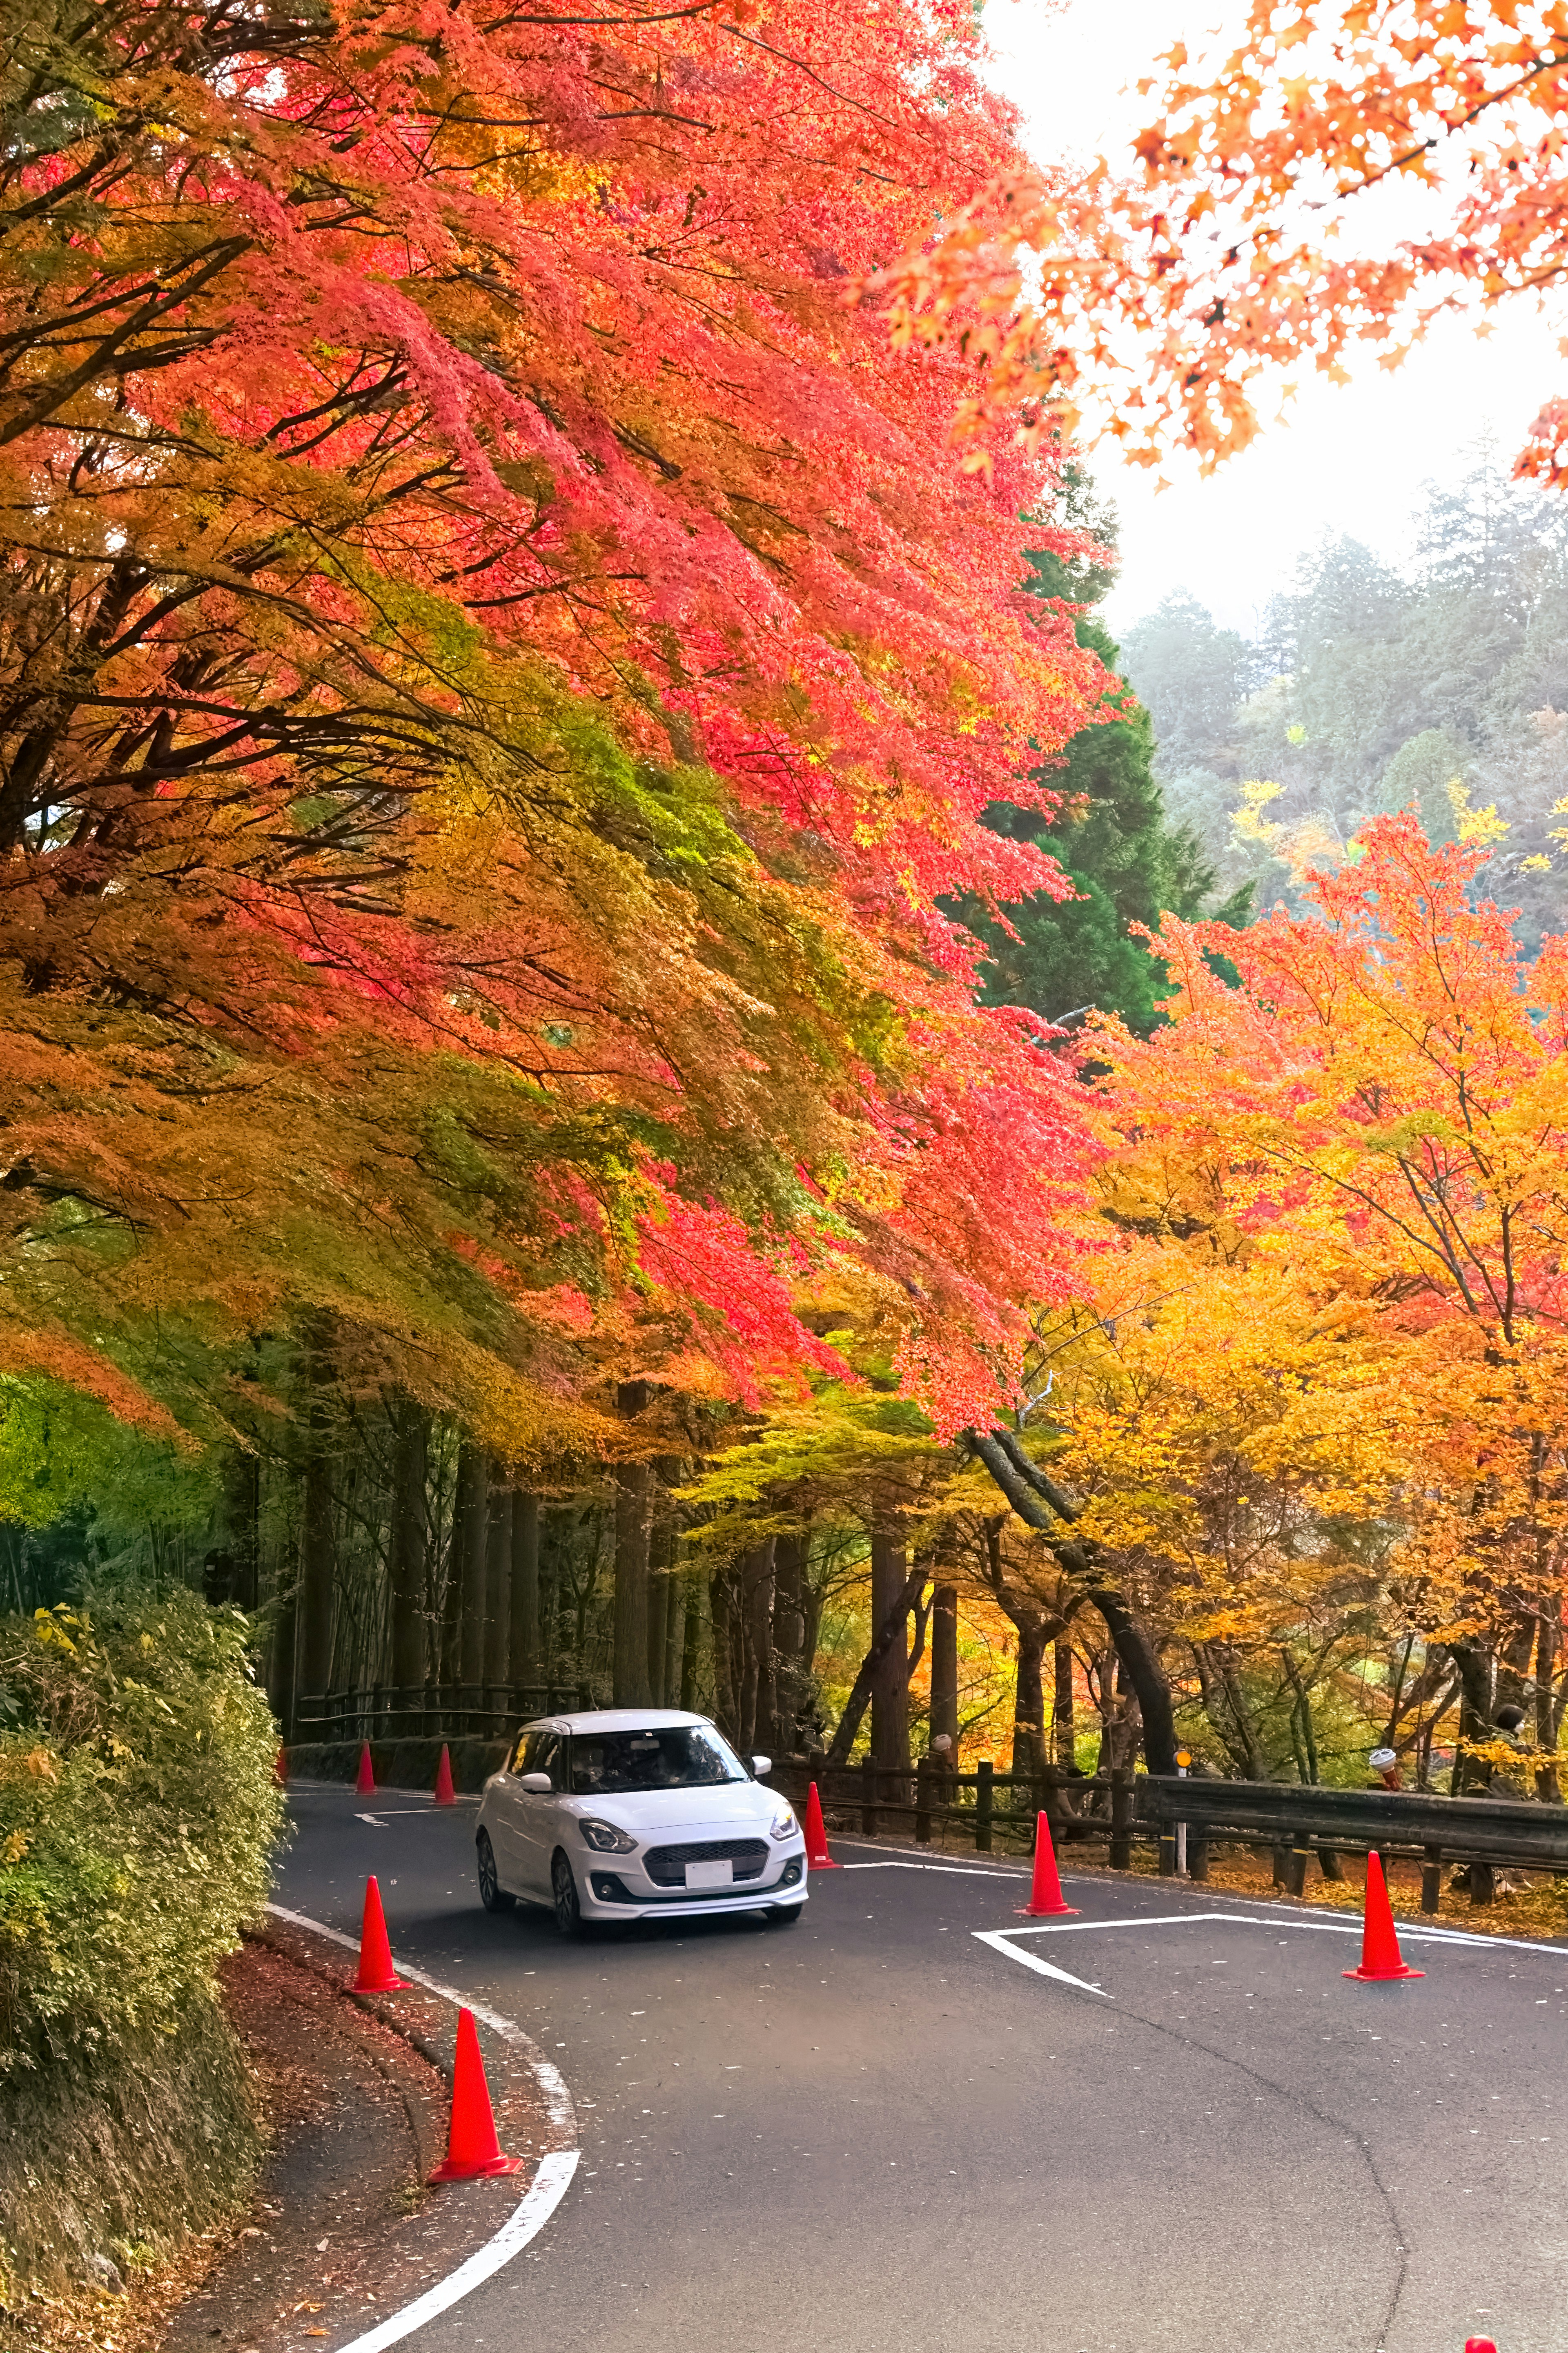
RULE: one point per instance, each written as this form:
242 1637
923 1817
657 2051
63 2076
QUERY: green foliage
1129 865
138 1813
61 1450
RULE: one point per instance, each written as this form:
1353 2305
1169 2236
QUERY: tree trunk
407 1550
281 1658
316 1563
469 1537
692 1645
890 1680
1029 1704
1063 1729
661 1568
634 1515
1140 1662
1548 1707
1475 1714
786 1735
945 1668
757 1591
523 1665
674 1611
1043 1505
497 1581
726 1695
888 1636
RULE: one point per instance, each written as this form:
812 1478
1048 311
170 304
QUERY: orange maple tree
1245 240
1376 1116
499 668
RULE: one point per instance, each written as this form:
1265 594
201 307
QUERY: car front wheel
568 1911
492 1895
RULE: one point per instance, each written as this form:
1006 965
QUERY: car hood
737 1807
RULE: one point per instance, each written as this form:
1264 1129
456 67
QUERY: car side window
550 1758
520 1759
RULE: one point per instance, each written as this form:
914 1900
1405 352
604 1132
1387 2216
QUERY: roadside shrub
138 1812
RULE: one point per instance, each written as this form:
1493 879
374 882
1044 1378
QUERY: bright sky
1352 459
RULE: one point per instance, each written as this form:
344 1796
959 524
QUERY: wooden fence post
1120 1819
923 1802
1431 1878
1296 1870
869 1798
982 1778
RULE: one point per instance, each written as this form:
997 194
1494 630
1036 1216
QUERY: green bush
138 1812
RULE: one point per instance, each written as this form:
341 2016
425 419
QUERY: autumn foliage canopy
500 664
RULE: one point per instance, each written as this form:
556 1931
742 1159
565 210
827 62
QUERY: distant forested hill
1370 688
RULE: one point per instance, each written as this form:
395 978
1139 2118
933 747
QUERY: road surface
880 2131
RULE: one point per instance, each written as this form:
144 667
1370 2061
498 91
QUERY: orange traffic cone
1045 1894
444 1793
280 1767
1379 1956
376 1973
472 2148
364 1782
1480 2345
816 1855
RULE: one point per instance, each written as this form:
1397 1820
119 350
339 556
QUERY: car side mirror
536 1784
761 1765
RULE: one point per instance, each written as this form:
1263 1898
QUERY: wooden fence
431 1711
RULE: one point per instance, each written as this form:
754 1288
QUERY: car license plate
710 1875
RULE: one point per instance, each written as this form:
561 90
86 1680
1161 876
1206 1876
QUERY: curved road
879 2131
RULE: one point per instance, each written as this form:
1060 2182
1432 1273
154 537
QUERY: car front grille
665 1865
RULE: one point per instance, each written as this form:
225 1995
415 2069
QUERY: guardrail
1482 1832
1296 1823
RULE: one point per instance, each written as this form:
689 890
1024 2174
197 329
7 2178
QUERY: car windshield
674 1757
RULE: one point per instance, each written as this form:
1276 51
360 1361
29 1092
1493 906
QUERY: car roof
619 1719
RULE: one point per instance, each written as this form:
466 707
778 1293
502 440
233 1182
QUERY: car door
504 1814
536 1813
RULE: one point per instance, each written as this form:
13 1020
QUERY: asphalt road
874 2132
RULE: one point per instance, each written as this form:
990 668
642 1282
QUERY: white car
635 1814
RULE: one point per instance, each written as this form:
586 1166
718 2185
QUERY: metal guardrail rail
1298 1822
1483 1833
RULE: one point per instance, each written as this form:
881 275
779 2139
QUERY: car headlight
608 1839
783 1824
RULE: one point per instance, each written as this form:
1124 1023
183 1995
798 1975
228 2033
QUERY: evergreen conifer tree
1128 864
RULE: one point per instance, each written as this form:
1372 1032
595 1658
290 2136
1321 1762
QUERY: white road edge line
1297 1920
527 2218
998 1939
953 1870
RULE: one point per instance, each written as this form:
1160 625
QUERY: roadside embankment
138 1815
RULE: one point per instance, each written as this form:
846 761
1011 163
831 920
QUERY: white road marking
1001 1940
527 2218
998 1939
374 1819
549 2186
954 1870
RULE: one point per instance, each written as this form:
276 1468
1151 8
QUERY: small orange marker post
376 1973
1381 1960
1045 1895
444 1793
816 1855
472 2148
365 1780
